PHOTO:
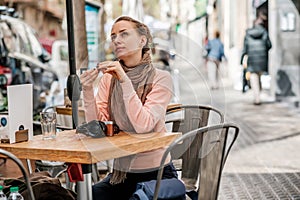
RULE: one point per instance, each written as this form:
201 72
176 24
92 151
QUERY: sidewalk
265 161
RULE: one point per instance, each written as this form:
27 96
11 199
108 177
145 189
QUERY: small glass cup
48 125
109 128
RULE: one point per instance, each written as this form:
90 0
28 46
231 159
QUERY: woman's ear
143 41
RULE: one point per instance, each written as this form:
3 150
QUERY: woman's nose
117 38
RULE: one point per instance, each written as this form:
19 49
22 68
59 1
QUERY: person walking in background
215 49
256 46
204 51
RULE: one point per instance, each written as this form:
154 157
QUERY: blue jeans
213 73
123 191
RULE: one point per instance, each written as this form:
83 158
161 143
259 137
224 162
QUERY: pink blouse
144 118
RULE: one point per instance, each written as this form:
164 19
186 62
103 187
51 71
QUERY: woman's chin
121 55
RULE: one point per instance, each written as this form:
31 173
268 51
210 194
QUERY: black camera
96 129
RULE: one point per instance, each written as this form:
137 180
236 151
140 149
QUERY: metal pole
71 40
84 188
74 88
73 82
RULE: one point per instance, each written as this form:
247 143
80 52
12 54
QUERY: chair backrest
24 172
215 144
184 118
64 117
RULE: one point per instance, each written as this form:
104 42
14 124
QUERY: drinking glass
48 125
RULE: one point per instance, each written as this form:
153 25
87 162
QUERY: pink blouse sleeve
145 118
96 107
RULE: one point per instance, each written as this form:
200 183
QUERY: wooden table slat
71 147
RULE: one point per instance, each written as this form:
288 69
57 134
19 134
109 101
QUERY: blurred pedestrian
256 46
204 51
215 49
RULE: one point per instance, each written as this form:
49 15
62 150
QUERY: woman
134 95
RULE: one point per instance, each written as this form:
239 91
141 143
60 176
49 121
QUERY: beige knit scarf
141 77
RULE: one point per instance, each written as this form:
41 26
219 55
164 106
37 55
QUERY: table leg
84 188
29 166
69 184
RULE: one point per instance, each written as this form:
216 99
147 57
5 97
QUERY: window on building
288 21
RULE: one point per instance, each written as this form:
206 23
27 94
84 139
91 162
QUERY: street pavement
265 161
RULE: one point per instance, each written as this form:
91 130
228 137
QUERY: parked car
21 52
60 64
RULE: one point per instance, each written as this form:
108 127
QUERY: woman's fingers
88 77
114 68
104 65
107 67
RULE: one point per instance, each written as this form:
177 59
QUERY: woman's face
125 39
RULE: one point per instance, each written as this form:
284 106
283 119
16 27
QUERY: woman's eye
113 37
124 34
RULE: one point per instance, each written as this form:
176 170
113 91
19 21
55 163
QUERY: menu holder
22 135
20 112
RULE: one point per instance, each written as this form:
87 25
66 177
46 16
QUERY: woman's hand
114 68
88 77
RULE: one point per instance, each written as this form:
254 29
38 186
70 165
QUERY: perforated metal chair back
215 144
184 118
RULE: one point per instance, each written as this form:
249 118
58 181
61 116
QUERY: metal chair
25 174
184 118
60 125
215 144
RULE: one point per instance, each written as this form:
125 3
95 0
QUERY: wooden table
73 148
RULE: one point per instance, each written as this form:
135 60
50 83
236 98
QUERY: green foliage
3 104
200 6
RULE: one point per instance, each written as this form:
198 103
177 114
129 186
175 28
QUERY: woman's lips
119 49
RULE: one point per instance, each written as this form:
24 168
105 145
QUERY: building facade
43 16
